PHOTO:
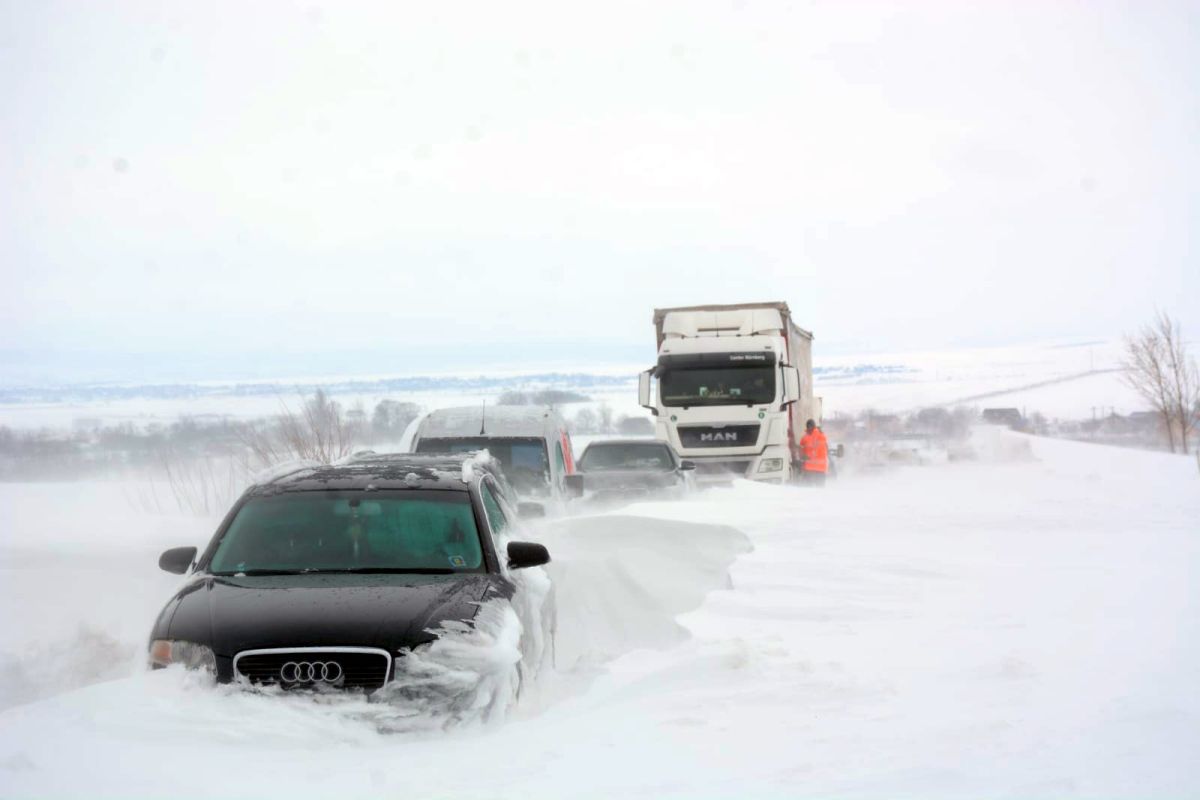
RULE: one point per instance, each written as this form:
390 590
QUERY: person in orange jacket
814 455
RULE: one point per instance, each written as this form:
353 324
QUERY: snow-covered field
1051 378
1063 380
1026 625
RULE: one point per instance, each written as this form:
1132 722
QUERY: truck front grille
699 436
310 668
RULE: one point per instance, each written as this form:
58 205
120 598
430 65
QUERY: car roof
369 470
491 421
630 440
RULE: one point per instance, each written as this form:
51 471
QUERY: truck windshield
523 459
722 386
352 531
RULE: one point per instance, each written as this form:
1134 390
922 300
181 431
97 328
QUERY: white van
531 443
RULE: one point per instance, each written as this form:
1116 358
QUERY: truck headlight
770 465
165 652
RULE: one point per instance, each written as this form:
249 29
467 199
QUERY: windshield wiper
341 571
391 570
253 572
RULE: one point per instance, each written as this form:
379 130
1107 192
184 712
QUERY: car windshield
721 386
523 459
352 531
649 456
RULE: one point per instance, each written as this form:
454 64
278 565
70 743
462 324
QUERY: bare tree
585 421
604 418
200 485
319 432
1185 378
1159 368
391 418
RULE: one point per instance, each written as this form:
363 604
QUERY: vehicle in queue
732 389
628 469
532 444
329 577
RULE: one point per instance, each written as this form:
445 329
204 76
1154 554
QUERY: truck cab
731 389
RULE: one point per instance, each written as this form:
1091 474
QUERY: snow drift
621 580
1008 626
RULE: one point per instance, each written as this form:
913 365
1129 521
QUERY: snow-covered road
1012 627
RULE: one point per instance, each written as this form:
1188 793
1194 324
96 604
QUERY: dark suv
325 576
629 469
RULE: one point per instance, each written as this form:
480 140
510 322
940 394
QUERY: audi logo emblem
311 672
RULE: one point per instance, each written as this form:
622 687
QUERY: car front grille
718 470
697 436
310 668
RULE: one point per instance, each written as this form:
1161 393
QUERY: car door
534 604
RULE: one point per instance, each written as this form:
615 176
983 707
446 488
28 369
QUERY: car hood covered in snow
232 614
633 480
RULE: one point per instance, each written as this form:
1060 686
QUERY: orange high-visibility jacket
815 450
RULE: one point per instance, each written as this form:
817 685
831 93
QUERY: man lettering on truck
814 455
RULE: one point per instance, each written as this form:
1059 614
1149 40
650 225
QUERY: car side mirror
574 485
177 559
527 554
687 465
531 510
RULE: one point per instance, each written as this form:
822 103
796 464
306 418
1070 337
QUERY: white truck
732 389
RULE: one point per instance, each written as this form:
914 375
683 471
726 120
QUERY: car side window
558 456
491 507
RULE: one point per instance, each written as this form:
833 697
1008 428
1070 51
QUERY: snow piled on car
470 675
473 673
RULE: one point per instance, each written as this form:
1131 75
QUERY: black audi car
325 576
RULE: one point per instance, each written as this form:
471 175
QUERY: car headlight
165 652
770 465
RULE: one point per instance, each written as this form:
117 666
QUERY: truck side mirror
685 466
841 451
573 485
644 392
791 385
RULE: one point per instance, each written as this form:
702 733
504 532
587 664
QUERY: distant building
1145 421
883 424
1004 416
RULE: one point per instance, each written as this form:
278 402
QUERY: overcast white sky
261 187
